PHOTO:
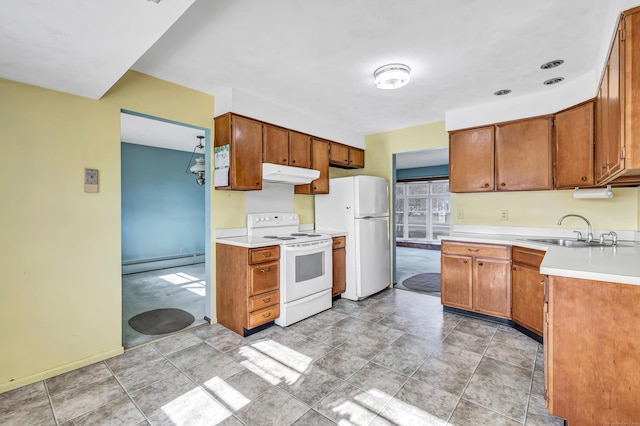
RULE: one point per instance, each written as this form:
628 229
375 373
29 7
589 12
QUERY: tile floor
412 261
181 287
394 358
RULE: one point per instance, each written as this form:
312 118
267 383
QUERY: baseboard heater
135 266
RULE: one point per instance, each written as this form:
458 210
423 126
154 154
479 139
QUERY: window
422 210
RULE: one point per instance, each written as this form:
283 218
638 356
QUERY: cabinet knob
257 183
513 269
486 185
284 161
583 178
503 184
465 261
480 263
293 161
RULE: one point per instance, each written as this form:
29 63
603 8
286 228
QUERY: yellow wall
60 257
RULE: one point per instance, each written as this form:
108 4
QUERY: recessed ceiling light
502 92
552 64
391 76
551 81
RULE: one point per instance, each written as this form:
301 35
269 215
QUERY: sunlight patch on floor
232 398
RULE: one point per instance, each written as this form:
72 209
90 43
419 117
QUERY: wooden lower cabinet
476 277
592 351
339 266
247 286
527 288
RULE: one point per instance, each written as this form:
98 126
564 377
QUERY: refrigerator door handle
367 217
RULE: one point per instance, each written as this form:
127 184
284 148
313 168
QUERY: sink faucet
589 231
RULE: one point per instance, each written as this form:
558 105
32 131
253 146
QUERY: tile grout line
53 411
127 393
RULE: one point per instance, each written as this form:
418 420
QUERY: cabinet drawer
530 257
264 277
264 254
476 250
264 300
339 242
263 316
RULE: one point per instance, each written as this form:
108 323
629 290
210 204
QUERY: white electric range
306 274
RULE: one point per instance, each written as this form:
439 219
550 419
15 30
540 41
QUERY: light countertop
239 237
619 264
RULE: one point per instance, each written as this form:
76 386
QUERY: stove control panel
271 220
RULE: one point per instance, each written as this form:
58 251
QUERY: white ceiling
315 57
161 134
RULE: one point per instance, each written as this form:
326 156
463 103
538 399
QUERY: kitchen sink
574 243
565 242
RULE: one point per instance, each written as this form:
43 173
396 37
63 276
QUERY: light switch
90 180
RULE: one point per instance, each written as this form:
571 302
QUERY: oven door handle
307 247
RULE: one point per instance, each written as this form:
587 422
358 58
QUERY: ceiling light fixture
198 169
551 81
551 64
502 92
392 76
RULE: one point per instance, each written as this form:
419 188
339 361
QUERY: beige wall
60 292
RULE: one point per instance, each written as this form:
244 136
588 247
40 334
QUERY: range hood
287 174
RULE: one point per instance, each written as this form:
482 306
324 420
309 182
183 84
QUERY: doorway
165 226
421 209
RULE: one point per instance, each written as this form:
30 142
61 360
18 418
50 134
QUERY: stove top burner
279 238
314 235
299 234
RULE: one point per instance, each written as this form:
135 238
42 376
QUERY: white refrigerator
359 205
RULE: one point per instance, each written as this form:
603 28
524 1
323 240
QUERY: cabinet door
527 298
574 130
615 137
320 162
523 155
339 271
299 150
246 154
456 281
356 158
492 287
471 160
276 145
602 127
339 155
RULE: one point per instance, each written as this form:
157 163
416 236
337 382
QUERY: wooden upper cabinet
276 145
319 161
345 156
574 139
356 157
339 155
471 160
299 149
244 137
617 123
523 155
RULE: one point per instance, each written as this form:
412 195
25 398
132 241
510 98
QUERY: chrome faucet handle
602 239
614 238
579 234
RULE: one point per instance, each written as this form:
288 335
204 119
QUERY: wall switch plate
460 214
504 214
90 180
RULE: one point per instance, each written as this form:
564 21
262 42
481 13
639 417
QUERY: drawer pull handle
266 254
266 300
267 315
474 250
542 282
265 270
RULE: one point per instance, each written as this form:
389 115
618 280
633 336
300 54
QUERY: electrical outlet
90 180
460 214
504 214
181 250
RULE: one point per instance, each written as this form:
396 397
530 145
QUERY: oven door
307 269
